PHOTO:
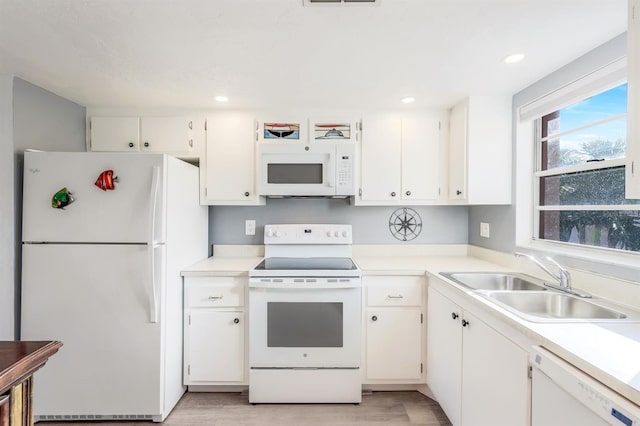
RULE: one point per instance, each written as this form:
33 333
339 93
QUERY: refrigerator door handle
153 303
153 204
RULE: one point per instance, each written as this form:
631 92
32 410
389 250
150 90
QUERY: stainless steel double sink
528 298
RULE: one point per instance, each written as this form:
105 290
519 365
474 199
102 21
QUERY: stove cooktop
302 264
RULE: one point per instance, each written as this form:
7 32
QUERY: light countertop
609 352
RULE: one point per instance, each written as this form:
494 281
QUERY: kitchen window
579 177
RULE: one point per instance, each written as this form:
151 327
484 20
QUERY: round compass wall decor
405 224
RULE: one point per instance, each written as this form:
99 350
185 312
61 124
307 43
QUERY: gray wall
41 120
7 238
503 218
440 224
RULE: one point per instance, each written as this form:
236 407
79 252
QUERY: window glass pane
606 141
598 107
594 187
611 229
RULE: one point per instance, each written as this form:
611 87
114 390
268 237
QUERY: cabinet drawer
214 291
394 291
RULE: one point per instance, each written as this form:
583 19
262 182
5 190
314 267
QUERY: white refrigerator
102 275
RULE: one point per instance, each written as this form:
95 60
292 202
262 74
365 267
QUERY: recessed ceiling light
512 59
221 98
408 99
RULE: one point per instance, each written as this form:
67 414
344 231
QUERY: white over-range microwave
317 169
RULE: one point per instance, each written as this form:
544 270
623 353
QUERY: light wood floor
233 409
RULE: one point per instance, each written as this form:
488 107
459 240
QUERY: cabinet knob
408 193
465 323
393 194
458 192
236 320
146 144
374 318
454 316
130 144
246 194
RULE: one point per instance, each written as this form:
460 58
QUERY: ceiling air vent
341 2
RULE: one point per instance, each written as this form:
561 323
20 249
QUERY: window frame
599 260
539 173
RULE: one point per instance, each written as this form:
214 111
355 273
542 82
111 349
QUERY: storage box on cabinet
394 329
215 330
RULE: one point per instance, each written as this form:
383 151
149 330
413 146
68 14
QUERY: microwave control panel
345 159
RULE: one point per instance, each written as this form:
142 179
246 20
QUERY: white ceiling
277 53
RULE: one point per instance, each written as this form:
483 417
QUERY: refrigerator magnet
61 199
106 180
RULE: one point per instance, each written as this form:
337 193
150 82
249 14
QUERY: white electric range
305 302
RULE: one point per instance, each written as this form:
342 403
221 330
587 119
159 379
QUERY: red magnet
106 180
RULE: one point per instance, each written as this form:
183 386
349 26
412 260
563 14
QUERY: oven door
304 327
287 169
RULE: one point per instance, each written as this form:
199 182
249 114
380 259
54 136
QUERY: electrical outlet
484 230
249 227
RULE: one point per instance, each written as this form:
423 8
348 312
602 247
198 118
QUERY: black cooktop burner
306 263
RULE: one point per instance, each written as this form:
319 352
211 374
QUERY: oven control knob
278 233
345 234
336 233
329 234
269 233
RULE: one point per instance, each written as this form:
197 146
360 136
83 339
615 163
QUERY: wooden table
18 361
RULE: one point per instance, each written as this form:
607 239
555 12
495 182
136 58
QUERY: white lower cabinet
215 330
479 377
393 329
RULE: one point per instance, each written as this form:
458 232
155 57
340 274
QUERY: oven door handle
305 286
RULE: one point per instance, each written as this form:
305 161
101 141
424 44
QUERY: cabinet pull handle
146 144
130 144
393 194
374 318
465 323
236 320
458 192
246 194
408 193
454 316
214 297
390 296
191 143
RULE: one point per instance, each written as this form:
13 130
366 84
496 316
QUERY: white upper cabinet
480 150
633 100
228 170
400 158
168 135
115 134
380 159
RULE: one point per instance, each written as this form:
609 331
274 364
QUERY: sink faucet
563 276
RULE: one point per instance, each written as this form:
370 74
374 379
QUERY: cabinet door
114 133
495 383
380 158
444 353
458 152
230 159
420 156
633 102
393 346
215 346
166 134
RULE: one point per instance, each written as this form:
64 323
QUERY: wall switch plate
249 227
484 230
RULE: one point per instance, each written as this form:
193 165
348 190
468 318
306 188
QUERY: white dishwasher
562 395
